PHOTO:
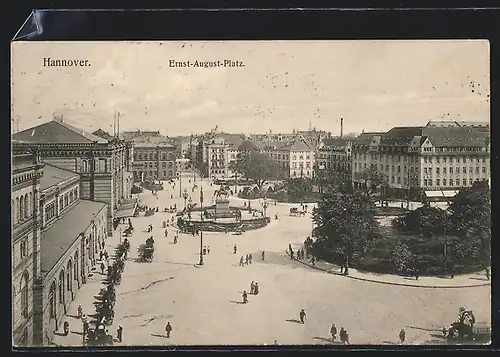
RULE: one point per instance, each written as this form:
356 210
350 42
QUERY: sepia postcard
251 193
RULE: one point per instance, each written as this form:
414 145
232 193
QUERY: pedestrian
263 255
245 297
444 330
175 239
416 274
168 329
342 335
302 316
256 288
66 328
241 262
208 249
246 259
80 311
166 232
235 249
292 255
487 274
205 250
250 258
102 268
333 332
346 338
252 287
119 333
85 328
402 336
290 248
313 261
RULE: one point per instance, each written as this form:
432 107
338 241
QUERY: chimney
341 127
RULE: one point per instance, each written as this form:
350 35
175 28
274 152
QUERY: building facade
419 162
26 267
154 161
102 164
335 154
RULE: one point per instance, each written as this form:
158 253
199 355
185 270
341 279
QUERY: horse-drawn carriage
147 252
294 211
465 328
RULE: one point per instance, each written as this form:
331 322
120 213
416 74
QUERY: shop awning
127 208
437 194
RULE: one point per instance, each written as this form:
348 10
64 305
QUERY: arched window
75 266
26 206
17 210
76 193
52 299
24 294
21 208
69 271
61 287
30 205
164 156
84 166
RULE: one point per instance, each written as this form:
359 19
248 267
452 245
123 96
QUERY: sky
284 85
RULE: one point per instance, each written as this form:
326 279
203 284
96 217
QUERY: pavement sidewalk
430 282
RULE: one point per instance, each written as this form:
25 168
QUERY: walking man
302 316
66 328
235 249
333 332
256 288
342 335
252 287
263 255
241 262
250 258
208 249
402 336
102 268
487 274
313 261
80 311
119 333
245 297
246 259
168 328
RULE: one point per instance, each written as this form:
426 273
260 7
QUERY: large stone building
335 154
295 157
104 165
154 160
56 241
25 215
424 162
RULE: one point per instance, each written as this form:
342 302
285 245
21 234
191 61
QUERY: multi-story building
335 154
154 160
296 158
424 162
57 237
103 165
26 175
456 124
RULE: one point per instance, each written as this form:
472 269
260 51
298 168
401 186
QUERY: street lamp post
264 206
120 236
201 227
185 196
346 270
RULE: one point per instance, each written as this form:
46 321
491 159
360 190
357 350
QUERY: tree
298 188
401 257
470 218
428 221
255 166
331 179
346 226
373 182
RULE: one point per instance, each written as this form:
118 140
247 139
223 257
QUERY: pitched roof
152 144
366 138
401 136
456 136
56 131
298 145
335 142
54 175
57 239
103 134
231 138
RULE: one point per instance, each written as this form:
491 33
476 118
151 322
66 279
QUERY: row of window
301 165
154 156
457 171
155 164
22 208
455 149
138 174
439 182
427 159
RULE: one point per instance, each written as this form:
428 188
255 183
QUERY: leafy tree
372 183
255 166
428 221
401 257
346 226
331 179
470 217
298 188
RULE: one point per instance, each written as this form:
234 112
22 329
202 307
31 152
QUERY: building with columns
26 260
104 165
57 236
